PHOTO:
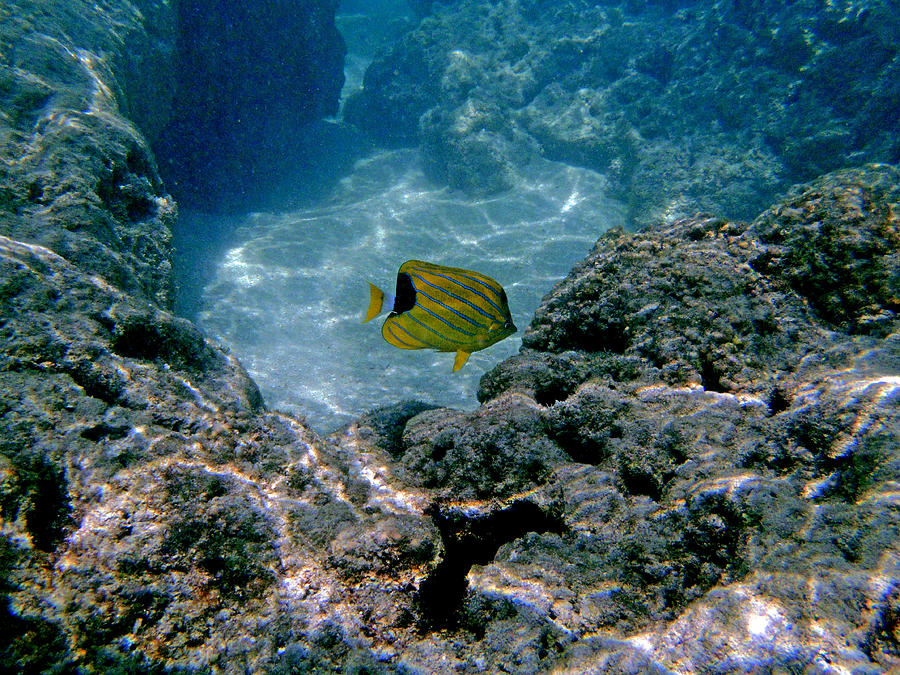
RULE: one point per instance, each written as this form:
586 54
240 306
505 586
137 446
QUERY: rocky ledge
692 465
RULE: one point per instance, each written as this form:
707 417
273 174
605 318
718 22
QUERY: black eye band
405 297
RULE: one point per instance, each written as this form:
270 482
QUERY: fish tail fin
461 358
378 302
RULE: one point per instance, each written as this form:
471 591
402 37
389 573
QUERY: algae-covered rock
703 445
691 466
154 517
83 182
837 243
684 106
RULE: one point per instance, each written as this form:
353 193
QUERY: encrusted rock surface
691 466
76 175
686 106
700 455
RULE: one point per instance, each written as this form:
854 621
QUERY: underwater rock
83 181
692 464
703 106
154 516
837 243
697 444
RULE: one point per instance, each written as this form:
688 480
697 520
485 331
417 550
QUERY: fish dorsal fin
461 358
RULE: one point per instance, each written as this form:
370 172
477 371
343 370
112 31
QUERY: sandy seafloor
288 293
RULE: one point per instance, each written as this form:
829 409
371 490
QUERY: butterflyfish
449 309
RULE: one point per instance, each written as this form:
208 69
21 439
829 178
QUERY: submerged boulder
78 177
689 441
251 79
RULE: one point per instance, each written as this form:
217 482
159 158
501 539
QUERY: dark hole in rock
176 342
472 540
35 191
139 341
642 483
710 377
553 392
40 492
440 448
778 401
139 208
105 431
614 339
96 382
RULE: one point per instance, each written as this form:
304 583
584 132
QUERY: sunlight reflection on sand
289 296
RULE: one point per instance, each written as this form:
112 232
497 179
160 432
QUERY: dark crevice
105 431
779 401
710 377
472 540
37 489
96 384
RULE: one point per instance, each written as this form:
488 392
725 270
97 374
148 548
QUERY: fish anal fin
376 302
461 358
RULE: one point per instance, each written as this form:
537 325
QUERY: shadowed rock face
251 78
692 464
77 176
686 106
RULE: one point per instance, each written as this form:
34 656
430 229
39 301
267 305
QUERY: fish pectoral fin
376 302
461 358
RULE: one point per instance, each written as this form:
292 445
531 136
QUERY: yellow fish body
449 309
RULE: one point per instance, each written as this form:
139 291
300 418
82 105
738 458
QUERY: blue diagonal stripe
436 332
468 288
461 299
391 327
450 309
440 318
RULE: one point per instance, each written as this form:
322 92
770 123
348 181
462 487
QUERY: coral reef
686 106
692 464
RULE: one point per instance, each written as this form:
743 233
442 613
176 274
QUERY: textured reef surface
692 465
686 106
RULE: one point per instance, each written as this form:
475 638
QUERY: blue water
289 292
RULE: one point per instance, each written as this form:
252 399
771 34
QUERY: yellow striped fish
444 308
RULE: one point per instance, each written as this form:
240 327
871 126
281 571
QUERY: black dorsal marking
405 297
